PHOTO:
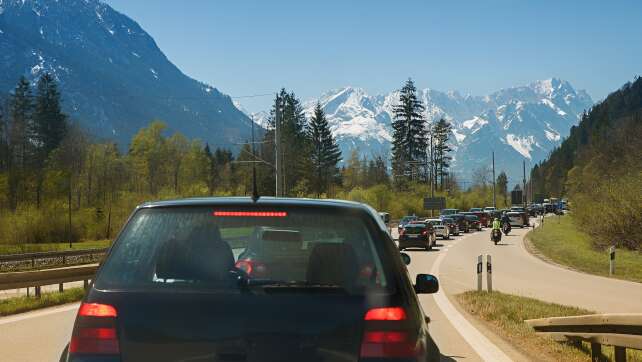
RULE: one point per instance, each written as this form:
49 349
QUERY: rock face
518 123
114 78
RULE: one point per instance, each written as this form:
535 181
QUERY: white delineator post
612 260
489 273
480 269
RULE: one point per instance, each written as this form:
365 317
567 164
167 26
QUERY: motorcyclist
496 233
505 219
497 225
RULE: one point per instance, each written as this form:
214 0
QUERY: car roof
263 201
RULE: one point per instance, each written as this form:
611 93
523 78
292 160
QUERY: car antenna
255 191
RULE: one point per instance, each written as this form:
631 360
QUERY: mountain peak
113 77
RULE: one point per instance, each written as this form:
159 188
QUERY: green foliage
441 150
564 242
506 313
37 248
409 140
325 153
85 189
599 169
17 305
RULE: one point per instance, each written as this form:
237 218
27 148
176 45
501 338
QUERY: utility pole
277 111
494 181
524 181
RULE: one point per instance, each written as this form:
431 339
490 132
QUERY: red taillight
95 330
97 310
387 344
384 336
386 314
251 267
250 213
425 232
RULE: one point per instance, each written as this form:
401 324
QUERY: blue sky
246 47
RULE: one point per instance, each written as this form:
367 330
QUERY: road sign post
480 269
612 260
489 273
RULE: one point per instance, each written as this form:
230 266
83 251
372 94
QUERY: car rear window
415 228
210 248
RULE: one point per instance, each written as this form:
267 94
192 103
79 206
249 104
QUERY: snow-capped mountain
113 77
524 122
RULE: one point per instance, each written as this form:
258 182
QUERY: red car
484 218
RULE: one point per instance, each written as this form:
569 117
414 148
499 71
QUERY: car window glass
190 247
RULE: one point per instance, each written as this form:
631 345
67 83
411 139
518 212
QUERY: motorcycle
506 228
496 236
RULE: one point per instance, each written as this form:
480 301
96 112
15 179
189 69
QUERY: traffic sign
434 203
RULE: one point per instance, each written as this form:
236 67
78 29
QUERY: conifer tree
325 153
20 145
441 135
409 133
49 122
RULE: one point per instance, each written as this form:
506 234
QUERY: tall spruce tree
48 128
49 122
325 154
409 134
20 145
20 112
441 135
294 149
4 149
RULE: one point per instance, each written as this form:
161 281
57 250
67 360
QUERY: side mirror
426 284
406 258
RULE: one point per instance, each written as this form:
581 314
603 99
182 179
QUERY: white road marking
484 347
38 314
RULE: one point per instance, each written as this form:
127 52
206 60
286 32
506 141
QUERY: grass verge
505 315
17 305
560 241
36 248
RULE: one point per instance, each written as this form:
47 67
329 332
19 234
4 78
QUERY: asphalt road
41 335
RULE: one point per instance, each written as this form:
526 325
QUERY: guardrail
39 278
15 262
619 330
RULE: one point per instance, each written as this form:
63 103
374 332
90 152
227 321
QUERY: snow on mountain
114 78
524 122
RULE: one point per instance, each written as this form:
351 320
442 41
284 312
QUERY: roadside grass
560 241
505 315
36 248
23 304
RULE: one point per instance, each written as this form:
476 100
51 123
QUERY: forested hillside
59 183
599 168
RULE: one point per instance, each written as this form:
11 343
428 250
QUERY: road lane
516 271
36 336
451 344
42 335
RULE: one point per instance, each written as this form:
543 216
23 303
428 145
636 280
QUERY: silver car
441 229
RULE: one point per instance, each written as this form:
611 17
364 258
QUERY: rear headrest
202 256
332 263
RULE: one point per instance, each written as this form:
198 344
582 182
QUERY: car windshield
434 222
204 248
